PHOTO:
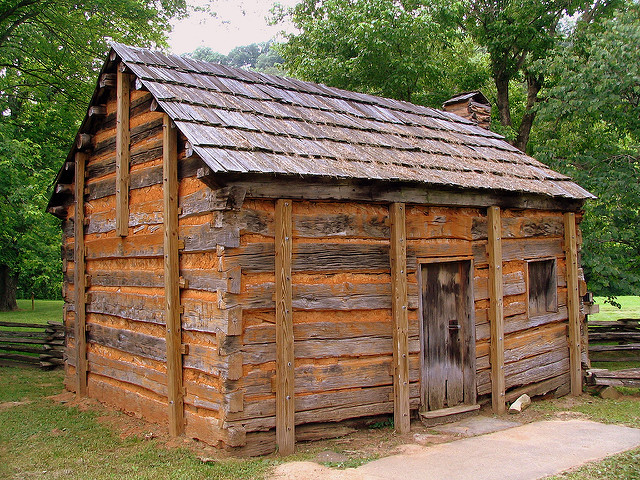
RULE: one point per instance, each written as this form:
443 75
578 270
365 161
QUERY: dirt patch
6 405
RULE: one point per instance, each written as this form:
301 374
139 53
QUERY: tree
590 129
400 49
261 57
49 56
517 34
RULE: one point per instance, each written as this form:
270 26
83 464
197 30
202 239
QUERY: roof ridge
320 89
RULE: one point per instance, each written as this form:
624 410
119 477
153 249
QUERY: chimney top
473 106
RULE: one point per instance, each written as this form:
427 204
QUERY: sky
236 23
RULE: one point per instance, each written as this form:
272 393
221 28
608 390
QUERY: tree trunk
533 87
8 288
502 99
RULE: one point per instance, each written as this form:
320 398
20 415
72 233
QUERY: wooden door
448 335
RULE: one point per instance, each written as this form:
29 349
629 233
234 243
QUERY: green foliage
44 311
590 129
261 57
409 50
49 56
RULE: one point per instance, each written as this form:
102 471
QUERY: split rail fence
614 341
40 344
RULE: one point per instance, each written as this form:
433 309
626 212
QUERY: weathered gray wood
399 303
199 357
209 200
446 316
520 227
265 333
79 275
171 255
128 372
262 186
529 371
123 152
340 296
496 308
328 348
145 177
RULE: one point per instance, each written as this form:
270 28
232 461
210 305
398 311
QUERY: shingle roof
246 122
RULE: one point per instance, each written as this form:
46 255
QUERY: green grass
45 310
630 309
623 466
41 439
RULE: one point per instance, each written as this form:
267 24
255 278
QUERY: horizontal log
561 383
128 372
208 200
341 296
537 344
128 398
614 336
128 341
23 347
17 357
615 348
139 106
521 227
144 177
31 341
263 186
199 315
529 371
200 357
327 348
266 332
22 325
520 322
203 280
21 334
622 324
513 284
313 257
207 429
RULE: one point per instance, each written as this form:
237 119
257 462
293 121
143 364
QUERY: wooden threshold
448 415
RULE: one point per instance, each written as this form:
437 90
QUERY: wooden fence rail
32 343
614 341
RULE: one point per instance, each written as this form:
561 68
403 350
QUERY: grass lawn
40 438
630 309
45 310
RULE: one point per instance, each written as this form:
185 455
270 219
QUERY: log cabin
251 259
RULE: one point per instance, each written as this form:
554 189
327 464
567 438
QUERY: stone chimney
473 106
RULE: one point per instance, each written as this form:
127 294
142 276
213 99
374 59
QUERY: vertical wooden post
122 152
79 277
398 257
496 310
573 302
285 358
172 276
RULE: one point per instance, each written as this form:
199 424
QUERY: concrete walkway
527 452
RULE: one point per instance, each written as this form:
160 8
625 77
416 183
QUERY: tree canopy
261 57
590 128
49 53
400 49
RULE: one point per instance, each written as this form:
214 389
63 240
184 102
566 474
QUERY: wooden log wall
341 297
536 355
125 310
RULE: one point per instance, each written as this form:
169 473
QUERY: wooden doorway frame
470 397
